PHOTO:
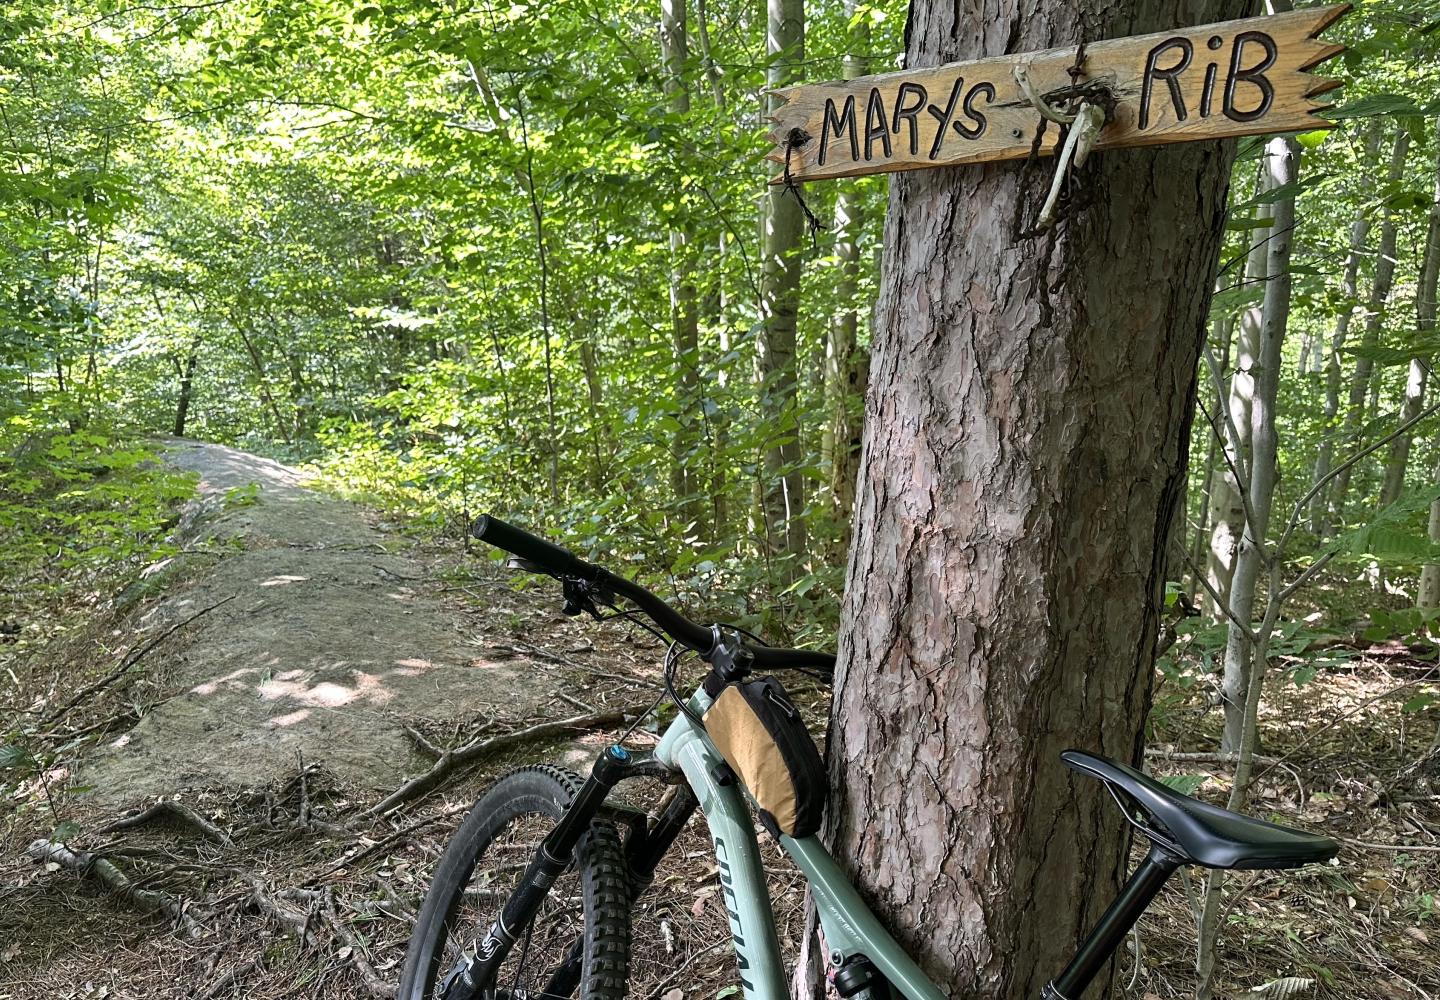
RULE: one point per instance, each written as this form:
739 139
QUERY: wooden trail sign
1235 78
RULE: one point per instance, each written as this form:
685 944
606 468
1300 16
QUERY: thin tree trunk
1006 581
784 486
1227 520
1374 317
1399 455
1282 157
1425 295
1217 489
1359 233
186 373
1415 382
684 298
840 445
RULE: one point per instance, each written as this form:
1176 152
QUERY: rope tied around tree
794 139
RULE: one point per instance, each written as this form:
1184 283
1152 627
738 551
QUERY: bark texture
1024 449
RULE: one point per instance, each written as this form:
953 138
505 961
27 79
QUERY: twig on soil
451 760
232 977
1206 758
664 984
377 986
293 920
421 743
572 700
386 841
129 662
88 865
1398 848
169 807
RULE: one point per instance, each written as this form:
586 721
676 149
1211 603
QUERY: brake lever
581 598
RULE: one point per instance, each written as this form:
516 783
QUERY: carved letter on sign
1247 77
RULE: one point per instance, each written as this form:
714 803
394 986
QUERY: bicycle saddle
1206 835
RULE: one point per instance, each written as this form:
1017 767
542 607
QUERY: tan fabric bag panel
765 742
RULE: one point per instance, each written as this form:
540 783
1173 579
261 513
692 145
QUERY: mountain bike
532 897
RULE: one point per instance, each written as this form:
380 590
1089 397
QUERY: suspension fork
644 849
476 973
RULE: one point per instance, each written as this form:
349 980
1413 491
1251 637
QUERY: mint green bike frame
850 928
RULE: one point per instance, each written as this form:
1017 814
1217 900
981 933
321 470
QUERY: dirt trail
327 641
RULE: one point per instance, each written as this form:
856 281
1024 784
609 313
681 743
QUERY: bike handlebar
564 564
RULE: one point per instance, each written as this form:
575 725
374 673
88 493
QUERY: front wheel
579 942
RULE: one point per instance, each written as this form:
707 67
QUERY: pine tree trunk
783 491
1006 580
1282 158
1374 318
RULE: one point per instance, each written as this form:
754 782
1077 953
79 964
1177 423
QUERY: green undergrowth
81 508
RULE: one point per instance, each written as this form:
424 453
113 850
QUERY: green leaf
66 831
1185 784
13 755
1374 104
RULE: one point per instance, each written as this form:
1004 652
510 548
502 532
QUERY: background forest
522 258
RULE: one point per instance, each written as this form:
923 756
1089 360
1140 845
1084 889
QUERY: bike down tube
850 928
742 877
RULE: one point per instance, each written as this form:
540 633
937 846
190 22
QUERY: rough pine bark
1024 448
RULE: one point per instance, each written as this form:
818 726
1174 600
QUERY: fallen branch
128 662
296 922
88 865
233 977
377 986
454 759
1206 758
169 807
1399 848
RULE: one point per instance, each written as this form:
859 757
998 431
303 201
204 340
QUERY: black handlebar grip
519 542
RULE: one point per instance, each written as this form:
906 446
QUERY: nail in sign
1246 77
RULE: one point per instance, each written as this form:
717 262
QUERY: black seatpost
1113 925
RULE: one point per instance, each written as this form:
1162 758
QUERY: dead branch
377 986
233 976
87 865
295 921
128 662
1206 758
451 760
1399 848
422 744
169 807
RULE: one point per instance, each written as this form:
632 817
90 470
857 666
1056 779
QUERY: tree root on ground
451 760
88 865
169 807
